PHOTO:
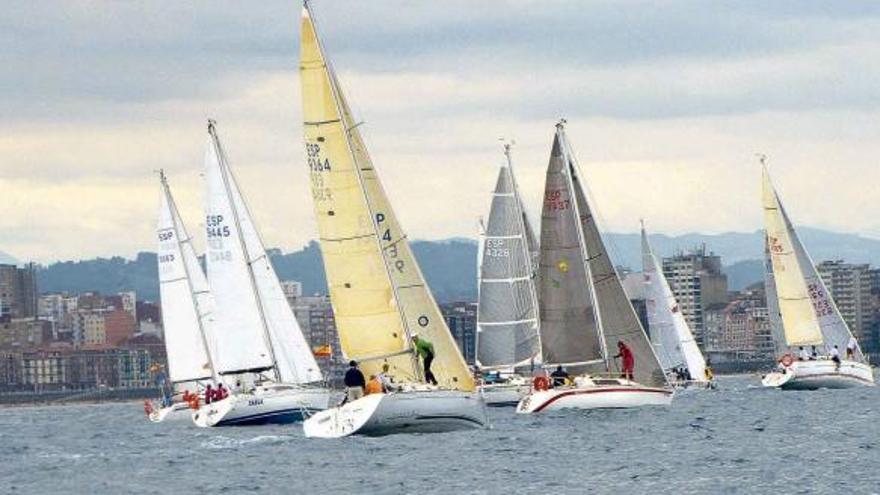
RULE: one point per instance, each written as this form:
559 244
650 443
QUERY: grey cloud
83 60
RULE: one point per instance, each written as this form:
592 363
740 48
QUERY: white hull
822 373
275 404
589 395
179 411
419 411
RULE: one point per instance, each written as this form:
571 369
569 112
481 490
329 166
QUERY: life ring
148 408
786 360
541 383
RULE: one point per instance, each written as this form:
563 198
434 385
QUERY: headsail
507 316
186 300
259 330
619 322
808 313
378 293
672 339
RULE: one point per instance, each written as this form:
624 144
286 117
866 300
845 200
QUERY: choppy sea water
738 439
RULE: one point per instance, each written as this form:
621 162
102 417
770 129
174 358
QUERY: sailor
385 380
209 394
803 355
425 349
628 361
559 377
814 354
374 386
221 392
835 356
851 347
354 382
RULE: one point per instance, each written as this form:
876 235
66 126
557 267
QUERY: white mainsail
583 303
808 314
186 301
672 339
378 293
507 314
257 328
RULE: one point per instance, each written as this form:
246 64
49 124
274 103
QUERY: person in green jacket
425 349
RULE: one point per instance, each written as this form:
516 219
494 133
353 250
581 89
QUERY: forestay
259 327
186 300
507 319
378 293
672 338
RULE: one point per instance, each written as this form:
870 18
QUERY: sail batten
377 290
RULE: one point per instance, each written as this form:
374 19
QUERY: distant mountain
450 265
744 273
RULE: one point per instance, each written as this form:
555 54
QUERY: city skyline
666 106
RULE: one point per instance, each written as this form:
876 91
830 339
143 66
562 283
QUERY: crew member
835 356
209 394
354 382
385 380
628 361
374 385
559 377
803 355
851 347
425 349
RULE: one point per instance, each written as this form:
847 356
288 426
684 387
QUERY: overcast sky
667 104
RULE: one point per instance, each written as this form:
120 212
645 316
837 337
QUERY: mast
582 244
175 215
225 173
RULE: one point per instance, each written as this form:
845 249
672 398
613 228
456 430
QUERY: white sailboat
803 314
672 338
186 311
584 307
507 313
261 350
380 299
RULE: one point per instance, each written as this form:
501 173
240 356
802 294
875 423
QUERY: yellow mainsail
799 322
378 293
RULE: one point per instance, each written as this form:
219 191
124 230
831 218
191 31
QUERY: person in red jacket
629 362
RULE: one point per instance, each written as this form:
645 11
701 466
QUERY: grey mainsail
569 325
507 315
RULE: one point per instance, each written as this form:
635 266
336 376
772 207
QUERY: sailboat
507 313
261 350
584 307
802 313
379 296
672 338
186 311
